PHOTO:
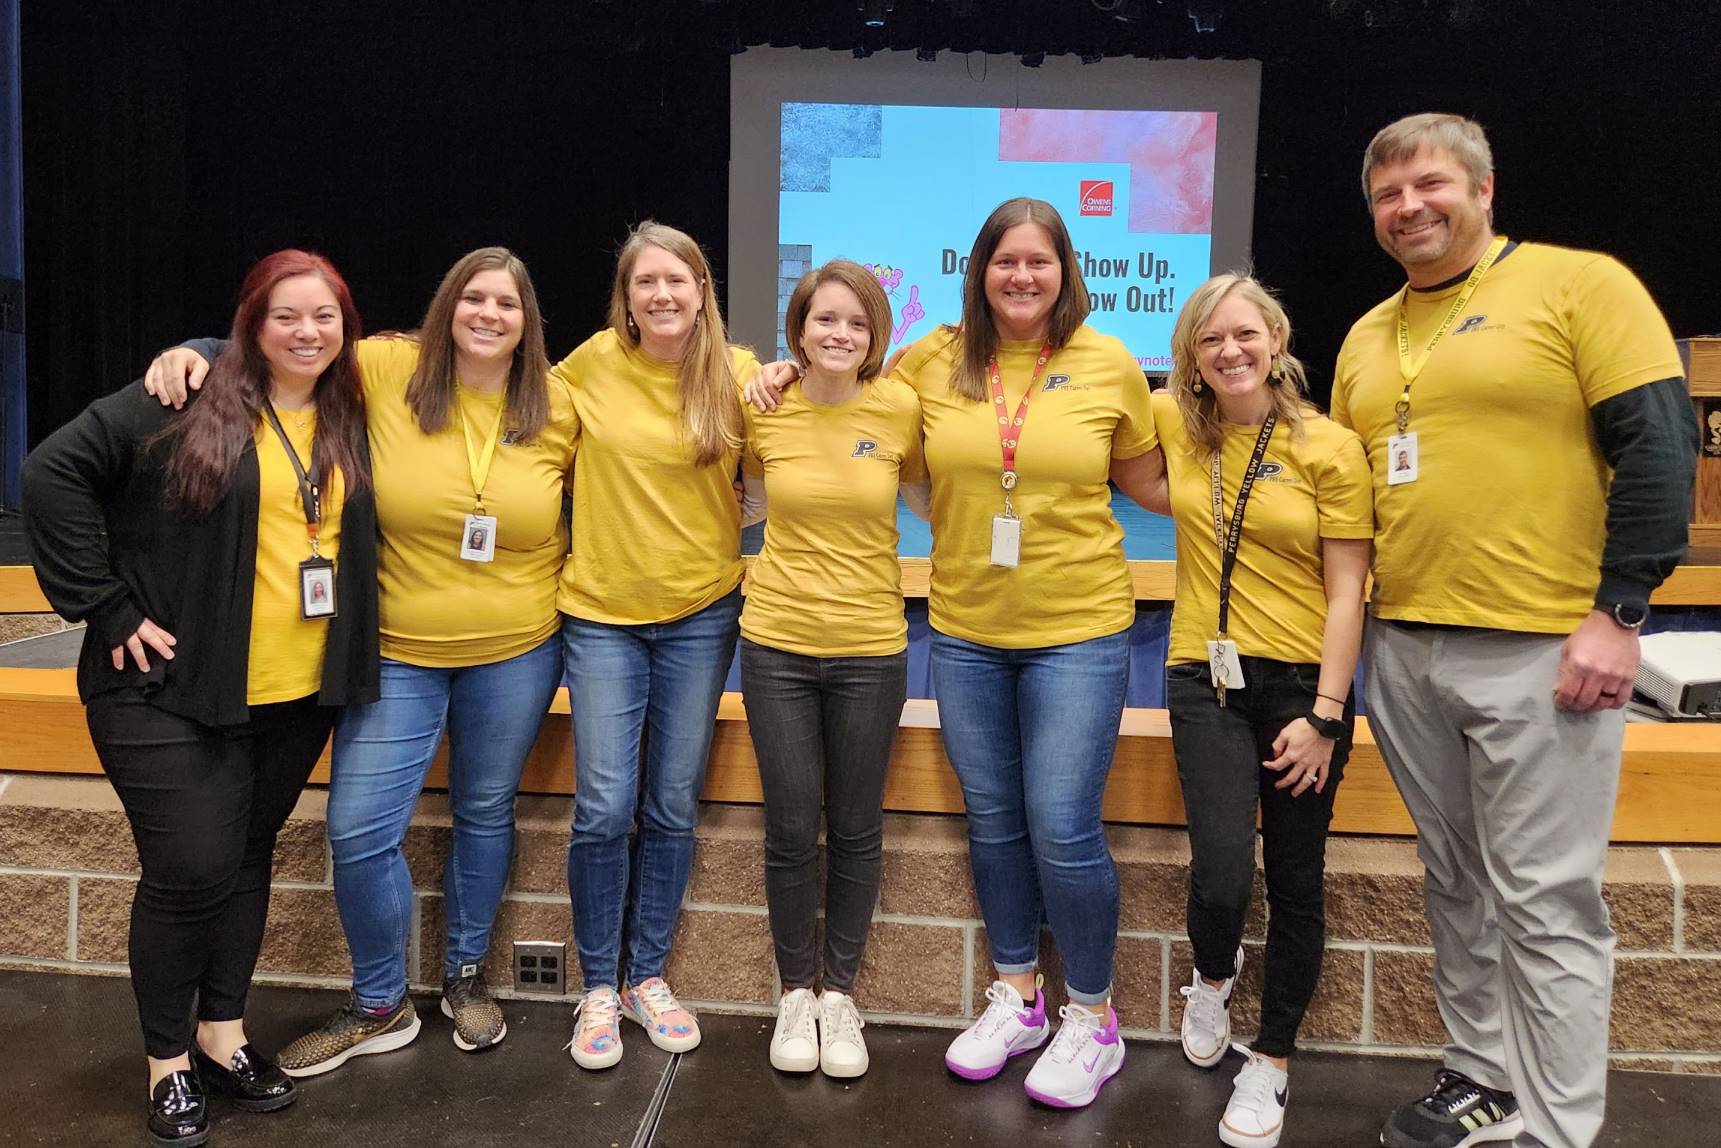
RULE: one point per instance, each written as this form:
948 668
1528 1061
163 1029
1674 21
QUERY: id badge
1222 654
1006 541
316 588
1401 460
478 538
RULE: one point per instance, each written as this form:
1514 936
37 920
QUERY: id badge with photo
1222 654
478 538
1006 541
1401 460
316 588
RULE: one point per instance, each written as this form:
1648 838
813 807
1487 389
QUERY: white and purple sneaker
1007 1028
1085 1054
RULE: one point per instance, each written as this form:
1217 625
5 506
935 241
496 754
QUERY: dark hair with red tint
209 439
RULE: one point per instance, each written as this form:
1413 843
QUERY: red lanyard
1010 430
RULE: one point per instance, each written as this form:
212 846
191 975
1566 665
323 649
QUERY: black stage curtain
168 145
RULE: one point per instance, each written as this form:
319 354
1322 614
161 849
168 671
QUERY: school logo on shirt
1062 383
1096 196
1474 323
511 436
1275 472
864 447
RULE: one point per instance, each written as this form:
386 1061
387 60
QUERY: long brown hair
1287 383
430 391
979 330
705 380
214 433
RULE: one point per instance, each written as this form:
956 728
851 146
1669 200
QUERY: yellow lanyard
479 460
1409 368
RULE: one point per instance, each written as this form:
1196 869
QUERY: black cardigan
109 549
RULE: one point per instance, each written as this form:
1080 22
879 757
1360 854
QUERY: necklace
300 418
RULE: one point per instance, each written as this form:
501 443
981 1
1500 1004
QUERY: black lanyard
310 496
1229 539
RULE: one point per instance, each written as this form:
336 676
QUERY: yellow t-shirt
436 608
1089 407
286 658
656 538
827 583
1308 488
1505 524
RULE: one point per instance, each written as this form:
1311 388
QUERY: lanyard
1409 368
1010 430
1230 539
310 495
478 461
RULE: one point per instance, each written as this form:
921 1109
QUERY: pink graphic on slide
912 313
1170 157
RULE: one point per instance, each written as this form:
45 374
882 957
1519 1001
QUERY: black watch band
1331 728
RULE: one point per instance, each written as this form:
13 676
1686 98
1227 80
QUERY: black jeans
204 805
822 732
1219 754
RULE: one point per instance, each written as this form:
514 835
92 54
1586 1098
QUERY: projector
1682 672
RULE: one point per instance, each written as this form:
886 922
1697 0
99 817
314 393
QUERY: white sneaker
795 1044
1207 1017
1007 1028
842 1049
1256 1113
1085 1054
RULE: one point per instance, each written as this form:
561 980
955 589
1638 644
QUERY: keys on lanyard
316 573
478 533
1006 527
1403 464
1224 665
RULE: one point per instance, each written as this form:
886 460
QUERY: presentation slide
903 188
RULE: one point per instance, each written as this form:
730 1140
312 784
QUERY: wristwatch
1628 615
1331 728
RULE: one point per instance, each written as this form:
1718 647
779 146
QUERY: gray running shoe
477 1018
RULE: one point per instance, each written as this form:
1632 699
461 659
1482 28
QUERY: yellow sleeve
386 361
1619 337
1344 490
913 469
1338 402
922 351
1134 435
751 463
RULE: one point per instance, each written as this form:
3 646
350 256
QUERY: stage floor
74 1067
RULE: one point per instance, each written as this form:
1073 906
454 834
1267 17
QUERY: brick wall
67 867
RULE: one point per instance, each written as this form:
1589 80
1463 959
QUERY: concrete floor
74 1075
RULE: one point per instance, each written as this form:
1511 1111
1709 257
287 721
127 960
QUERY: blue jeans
1031 734
381 755
658 684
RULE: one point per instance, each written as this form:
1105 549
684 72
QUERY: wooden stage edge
1154 582
1667 794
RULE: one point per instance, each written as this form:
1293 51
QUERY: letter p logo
864 447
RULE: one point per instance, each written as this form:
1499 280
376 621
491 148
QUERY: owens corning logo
1470 324
1096 196
864 447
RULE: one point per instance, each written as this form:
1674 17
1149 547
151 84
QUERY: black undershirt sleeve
1649 437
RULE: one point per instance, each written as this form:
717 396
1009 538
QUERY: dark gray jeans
822 732
1219 754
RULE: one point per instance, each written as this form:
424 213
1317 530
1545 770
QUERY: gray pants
1513 801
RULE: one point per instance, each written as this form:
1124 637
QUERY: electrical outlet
540 967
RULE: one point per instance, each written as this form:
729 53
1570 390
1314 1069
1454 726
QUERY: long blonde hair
705 380
1287 383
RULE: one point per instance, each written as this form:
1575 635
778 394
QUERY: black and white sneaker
1458 1113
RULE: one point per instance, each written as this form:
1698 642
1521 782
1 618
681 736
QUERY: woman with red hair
224 557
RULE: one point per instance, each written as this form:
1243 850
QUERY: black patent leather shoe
178 1117
255 1082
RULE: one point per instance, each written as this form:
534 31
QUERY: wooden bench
1668 790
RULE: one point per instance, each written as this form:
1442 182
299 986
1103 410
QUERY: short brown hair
865 285
1463 139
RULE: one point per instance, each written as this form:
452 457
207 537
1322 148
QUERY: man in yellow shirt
1532 450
